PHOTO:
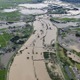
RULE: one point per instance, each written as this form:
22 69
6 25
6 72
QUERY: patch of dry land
29 63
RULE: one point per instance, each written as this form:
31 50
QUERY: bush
46 55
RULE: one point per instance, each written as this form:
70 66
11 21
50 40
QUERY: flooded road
29 63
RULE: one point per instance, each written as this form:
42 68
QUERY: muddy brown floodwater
30 64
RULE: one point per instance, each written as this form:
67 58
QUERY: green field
2 74
11 3
78 66
77 29
13 16
4 39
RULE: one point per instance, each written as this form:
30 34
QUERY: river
30 64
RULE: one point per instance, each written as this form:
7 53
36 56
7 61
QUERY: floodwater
34 9
34 12
9 10
29 63
36 6
27 9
